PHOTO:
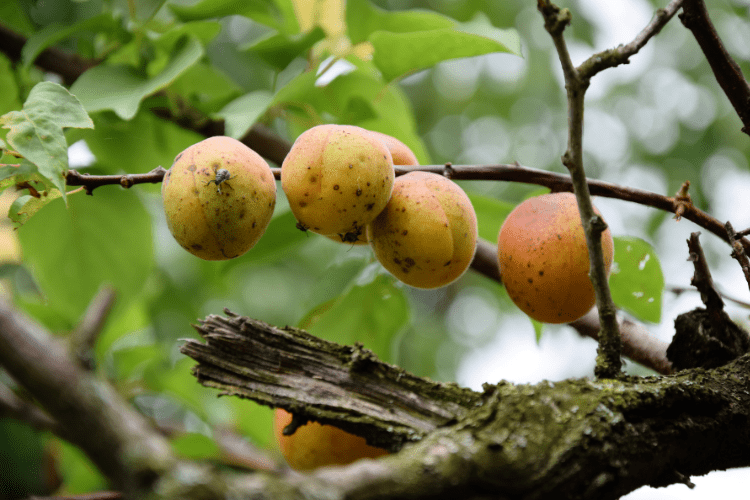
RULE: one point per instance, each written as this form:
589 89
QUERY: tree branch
727 72
608 362
126 449
569 439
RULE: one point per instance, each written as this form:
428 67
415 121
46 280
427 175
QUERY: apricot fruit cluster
219 197
544 260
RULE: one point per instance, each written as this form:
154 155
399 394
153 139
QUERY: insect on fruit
222 175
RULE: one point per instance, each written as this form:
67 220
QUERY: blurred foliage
652 124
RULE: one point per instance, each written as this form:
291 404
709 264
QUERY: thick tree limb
570 439
88 411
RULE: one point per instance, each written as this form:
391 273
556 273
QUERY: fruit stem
608 362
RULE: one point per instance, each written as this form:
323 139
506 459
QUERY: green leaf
99 239
372 311
138 145
279 49
490 215
240 114
398 54
121 89
481 25
37 130
54 33
9 97
277 14
364 18
636 280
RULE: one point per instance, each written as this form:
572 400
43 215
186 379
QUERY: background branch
727 72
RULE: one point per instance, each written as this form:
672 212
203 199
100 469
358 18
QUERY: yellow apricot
544 260
219 197
402 155
400 152
314 445
337 178
427 234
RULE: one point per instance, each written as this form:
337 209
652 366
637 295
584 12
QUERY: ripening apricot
544 260
314 445
219 197
337 178
401 153
427 234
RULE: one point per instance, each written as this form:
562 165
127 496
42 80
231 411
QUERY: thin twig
608 362
622 53
91 182
702 279
84 335
12 406
738 252
727 72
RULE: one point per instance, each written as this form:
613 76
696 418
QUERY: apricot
544 260
427 234
219 197
337 178
401 153
314 445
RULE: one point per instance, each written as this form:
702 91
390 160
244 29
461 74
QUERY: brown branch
702 279
622 53
608 362
727 72
738 251
91 182
125 448
12 406
84 335
548 440
291 369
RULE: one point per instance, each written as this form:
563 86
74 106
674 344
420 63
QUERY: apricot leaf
121 89
36 131
363 18
398 54
637 280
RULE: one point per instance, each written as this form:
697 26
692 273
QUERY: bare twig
91 182
727 72
702 279
84 335
12 406
608 362
622 53
738 251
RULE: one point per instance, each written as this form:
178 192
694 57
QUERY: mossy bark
572 439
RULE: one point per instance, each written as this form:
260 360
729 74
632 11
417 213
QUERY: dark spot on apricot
359 192
302 204
196 246
335 187
369 206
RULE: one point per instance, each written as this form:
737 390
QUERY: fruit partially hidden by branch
337 178
544 260
219 197
427 234
314 445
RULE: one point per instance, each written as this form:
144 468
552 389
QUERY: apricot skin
427 234
337 178
401 153
314 445
544 260
218 221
